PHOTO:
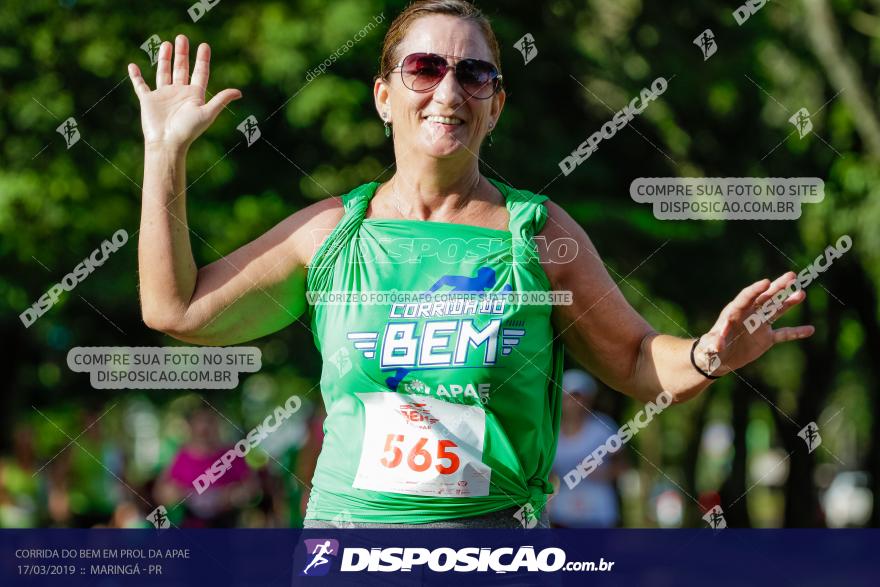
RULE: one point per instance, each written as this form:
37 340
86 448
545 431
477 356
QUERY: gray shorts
499 519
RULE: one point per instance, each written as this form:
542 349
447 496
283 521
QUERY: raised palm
731 341
175 113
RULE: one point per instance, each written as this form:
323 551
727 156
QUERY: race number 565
418 457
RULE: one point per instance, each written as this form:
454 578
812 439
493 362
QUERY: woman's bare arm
249 293
254 291
604 333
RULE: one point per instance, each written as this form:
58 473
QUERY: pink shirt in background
188 465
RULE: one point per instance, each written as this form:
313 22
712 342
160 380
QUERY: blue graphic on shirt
484 279
393 381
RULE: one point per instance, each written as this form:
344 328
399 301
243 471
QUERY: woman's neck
428 188
430 198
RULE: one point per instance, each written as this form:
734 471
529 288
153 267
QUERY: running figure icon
320 550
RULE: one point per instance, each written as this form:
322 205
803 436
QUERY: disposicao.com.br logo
441 560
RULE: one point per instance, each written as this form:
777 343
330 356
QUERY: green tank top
438 409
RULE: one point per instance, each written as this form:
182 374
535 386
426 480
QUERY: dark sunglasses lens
422 71
477 77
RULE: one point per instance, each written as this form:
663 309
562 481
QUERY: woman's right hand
175 113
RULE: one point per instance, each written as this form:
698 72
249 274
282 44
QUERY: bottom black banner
438 557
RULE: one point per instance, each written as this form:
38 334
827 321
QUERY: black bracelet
694 362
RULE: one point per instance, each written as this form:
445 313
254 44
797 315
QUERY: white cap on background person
579 381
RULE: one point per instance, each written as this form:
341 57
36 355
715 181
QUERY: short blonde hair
400 27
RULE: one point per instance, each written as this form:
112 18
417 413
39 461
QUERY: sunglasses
422 72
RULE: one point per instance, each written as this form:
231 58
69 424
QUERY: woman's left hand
730 345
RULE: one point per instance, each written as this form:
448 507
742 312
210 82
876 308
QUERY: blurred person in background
18 483
219 505
84 479
593 502
127 514
309 455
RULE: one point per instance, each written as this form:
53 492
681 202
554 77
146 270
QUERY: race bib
422 446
